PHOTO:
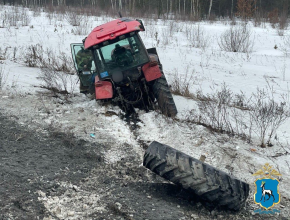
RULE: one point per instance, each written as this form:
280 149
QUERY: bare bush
14 16
56 70
172 28
62 62
25 17
36 11
286 45
3 77
197 36
212 18
165 38
257 19
3 53
11 17
267 115
280 32
156 38
73 18
236 39
182 83
2 19
223 111
283 21
84 28
214 110
57 82
37 56
34 55
50 17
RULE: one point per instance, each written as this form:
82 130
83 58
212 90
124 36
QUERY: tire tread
214 187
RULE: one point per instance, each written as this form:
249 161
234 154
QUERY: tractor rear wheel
164 97
215 188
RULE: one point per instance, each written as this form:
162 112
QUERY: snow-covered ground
209 66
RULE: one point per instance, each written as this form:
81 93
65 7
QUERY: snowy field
182 54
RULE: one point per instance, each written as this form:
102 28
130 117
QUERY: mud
53 175
31 162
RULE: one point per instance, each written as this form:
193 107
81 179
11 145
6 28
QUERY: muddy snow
122 151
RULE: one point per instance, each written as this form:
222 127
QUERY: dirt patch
32 162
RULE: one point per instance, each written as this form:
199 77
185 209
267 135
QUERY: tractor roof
111 30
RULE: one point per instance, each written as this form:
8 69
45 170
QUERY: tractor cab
116 57
110 52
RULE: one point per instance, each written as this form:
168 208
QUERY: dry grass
181 84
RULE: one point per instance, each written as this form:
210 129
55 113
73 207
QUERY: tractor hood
111 30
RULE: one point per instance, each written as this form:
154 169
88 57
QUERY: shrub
84 28
172 28
33 57
214 110
3 77
14 16
73 18
267 115
3 53
197 37
57 82
10 18
25 17
181 83
236 39
37 56
286 45
223 111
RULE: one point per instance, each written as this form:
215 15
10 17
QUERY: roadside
51 174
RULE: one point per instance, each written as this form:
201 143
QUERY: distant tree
186 8
246 8
209 10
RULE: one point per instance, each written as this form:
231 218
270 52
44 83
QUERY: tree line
189 9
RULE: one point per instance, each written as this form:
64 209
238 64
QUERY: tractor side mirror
141 24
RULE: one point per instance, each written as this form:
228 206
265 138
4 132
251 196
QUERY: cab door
84 64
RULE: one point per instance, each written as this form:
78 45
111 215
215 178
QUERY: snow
211 67
60 206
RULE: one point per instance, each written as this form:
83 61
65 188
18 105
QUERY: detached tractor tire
214 188
164 97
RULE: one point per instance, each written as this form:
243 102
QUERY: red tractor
113 63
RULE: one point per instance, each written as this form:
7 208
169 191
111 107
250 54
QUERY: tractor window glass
122 55
83 59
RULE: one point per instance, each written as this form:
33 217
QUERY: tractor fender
103 89
151 71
